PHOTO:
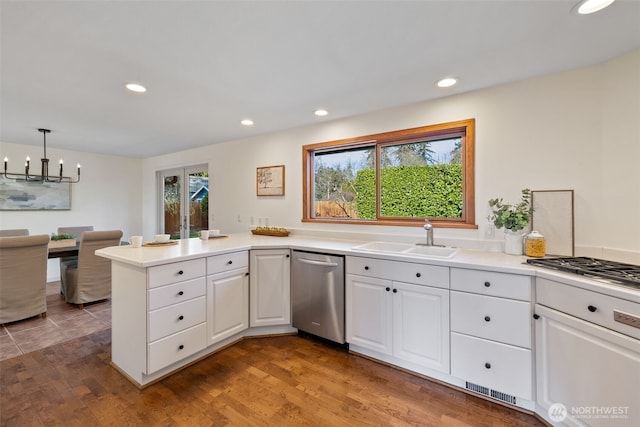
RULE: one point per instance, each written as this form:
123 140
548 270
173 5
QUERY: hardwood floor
276 381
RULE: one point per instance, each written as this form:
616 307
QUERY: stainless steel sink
407 249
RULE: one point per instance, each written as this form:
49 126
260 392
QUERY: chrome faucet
429 227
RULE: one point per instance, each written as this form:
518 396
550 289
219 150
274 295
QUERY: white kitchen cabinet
491 333
406 321
421 325
227 303
586 374
369 313
269 287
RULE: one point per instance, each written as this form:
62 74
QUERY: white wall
107 197
572 130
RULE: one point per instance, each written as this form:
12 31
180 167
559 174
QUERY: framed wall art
34 196
270 181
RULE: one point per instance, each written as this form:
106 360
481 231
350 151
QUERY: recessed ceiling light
586 7
446 82
135 87
321 112
247 122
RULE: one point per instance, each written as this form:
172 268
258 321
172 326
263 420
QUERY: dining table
64 251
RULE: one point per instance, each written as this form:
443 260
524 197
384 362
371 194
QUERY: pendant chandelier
44 172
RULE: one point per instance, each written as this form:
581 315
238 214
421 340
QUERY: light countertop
194 248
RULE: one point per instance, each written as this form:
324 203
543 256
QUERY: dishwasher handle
314 262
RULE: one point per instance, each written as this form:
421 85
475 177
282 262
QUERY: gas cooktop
617 272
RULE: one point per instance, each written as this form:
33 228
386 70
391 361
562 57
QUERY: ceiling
209 64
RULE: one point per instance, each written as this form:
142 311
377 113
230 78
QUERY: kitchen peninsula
174 305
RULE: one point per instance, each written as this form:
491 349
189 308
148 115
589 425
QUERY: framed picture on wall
34 196
270 181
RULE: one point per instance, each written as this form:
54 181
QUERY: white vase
513 242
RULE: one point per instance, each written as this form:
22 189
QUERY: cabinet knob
592 308
536 316
366 267
180 272
487 319
418 275
287 255
246 274
487 365
395 290
180 347
181 293
487 284
229 262
387 289
181 318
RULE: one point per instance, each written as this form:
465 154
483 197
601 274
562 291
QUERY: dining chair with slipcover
23 277
14 232
88 278
74 231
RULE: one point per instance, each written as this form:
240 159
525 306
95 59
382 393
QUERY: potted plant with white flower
514 218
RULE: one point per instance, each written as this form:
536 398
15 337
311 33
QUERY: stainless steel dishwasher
317 294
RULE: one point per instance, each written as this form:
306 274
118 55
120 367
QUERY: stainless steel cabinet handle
314 262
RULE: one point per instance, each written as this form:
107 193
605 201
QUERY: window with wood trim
393 178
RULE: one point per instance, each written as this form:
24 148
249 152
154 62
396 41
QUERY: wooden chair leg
81 306
43 314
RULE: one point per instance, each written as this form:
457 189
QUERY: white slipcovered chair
75 231
88 278
23 277
14 232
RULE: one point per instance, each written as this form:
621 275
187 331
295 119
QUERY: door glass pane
171 193
198 202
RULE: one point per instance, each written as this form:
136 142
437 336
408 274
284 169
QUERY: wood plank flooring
276 381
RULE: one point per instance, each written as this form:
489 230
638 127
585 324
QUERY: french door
183 201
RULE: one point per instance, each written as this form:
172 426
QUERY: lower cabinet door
269 283
421 325
369 303
586 375
227 305
173 348
500 367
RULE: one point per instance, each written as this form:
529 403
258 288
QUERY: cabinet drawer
171 349
175 318
499 319
178 292
500 367
407 272
587 305
227 262
503 285
175 272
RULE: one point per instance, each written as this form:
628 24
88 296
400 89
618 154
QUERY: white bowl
161 238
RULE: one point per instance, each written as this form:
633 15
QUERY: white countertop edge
195 248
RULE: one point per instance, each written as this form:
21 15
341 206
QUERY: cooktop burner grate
625 274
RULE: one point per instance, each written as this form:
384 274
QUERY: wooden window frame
437 131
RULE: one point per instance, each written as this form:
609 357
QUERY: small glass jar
535 244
